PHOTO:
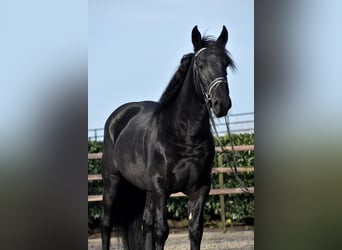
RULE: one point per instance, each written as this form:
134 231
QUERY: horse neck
189 116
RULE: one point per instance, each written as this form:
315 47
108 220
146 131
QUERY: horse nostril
216 104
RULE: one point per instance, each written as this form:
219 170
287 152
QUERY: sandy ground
212 240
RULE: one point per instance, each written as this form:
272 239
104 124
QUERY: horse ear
196 38
223 38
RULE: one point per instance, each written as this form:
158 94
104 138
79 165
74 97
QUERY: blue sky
134 47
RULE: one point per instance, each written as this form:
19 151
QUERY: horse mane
175 84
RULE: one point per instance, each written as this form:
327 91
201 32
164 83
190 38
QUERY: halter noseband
212 85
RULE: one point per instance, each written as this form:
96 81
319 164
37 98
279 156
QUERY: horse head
211 61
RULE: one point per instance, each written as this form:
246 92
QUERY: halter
212 85
207 97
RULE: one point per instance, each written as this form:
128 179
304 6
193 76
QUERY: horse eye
200 64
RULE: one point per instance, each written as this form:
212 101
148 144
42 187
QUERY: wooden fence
217 170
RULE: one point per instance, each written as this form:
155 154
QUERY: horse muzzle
221 107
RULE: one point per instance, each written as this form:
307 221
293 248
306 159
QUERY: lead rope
232 164
241 183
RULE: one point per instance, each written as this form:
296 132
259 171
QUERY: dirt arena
233 239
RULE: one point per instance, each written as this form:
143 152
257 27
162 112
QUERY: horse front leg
195 209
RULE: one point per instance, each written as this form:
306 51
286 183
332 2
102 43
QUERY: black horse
154 149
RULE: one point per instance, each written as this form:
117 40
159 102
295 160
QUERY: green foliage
94 187
238 207
94 166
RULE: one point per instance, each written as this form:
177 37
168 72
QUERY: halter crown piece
212 85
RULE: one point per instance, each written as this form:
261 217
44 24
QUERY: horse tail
128 215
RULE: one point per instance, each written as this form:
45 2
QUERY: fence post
222 205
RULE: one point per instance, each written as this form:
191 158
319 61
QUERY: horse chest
188 171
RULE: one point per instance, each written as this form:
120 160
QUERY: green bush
238 207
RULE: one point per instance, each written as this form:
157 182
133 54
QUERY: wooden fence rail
94 156
218 170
